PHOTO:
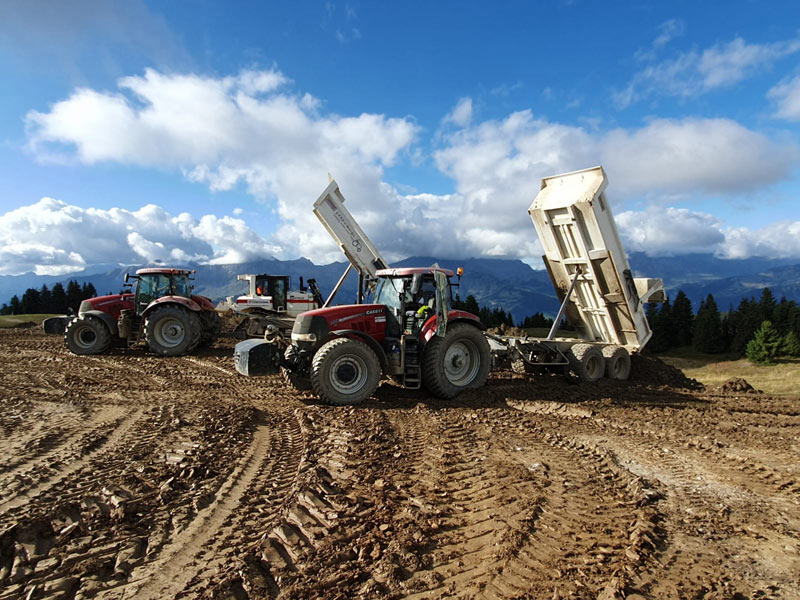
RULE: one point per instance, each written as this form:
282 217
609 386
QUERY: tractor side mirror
126 278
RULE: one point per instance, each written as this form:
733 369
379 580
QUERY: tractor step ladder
412 373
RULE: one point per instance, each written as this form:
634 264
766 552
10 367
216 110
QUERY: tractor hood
111 304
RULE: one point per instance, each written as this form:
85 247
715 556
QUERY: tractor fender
363 337
106 318
180 300
203 302
456 316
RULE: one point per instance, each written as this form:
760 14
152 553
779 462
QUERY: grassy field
14 320
781 379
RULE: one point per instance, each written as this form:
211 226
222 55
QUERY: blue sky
136 131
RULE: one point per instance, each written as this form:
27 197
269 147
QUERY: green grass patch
780 379
14 320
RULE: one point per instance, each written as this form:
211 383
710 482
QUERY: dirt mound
651 370
24 325
737 385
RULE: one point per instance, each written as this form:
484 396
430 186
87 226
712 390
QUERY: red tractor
161 310
409 333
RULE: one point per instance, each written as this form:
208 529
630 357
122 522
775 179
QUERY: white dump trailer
600 298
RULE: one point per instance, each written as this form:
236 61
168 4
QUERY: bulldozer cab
151 286
275 286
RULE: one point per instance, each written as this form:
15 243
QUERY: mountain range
510 284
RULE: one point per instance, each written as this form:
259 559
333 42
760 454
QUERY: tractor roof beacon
161 310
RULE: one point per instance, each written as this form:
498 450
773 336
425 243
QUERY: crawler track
132 476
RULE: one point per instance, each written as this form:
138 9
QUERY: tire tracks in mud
249 500
708 497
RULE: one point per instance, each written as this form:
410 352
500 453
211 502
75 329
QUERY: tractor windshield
153 286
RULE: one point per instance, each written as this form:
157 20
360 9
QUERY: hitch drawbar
256 357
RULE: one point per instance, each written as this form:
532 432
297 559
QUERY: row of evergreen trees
496 317
711 332
51 301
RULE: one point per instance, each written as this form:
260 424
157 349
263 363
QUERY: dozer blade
256 357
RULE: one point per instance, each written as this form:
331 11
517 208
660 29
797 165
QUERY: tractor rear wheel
87 335
618 362
459 361
587 362
172 330
345 371
211 327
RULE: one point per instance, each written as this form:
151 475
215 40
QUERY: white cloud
777 240
694 73
670 231
461 114
243 129
786 96
51 237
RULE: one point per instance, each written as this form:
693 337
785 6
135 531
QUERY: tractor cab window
278 292
388 292
180 287
151 287
261 286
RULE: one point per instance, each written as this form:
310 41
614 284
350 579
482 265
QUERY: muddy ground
131 476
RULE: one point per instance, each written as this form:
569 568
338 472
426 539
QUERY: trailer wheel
345 371
587 362
87 335
171 330
618 362
457 362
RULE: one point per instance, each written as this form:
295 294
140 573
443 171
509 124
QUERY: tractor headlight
304 337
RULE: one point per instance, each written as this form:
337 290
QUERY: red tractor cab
161 310
409 333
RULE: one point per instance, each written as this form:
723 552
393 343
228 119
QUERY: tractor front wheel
459 361
345 371
171 330
87 335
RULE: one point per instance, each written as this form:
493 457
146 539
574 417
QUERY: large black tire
211 327
459 361
298 382
87 335
345 371
171 330
618 362
587 362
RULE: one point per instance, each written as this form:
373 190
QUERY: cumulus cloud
694 73
248 129
670 231
223 131
52 237
786 96
777 240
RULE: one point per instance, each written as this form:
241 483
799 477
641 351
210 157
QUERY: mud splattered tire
211 327
87 335
618 362
345 371
587 362
459 361
298 382
171 330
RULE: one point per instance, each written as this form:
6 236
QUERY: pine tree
745 322
682 320
707 335
31 301
73 295
45 299
15 305
765 345
5 310
88 290
766 305
471 305
791 345
59 298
